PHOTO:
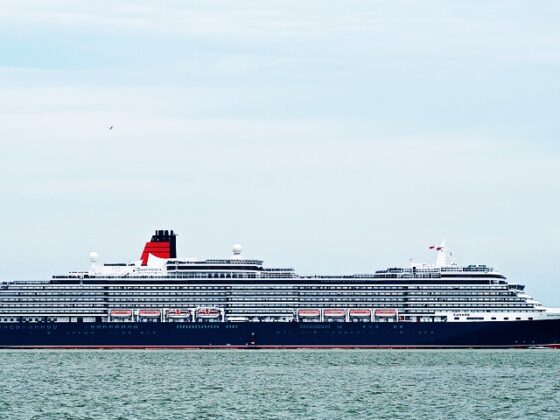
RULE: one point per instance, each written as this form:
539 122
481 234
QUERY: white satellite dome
236 249
93 256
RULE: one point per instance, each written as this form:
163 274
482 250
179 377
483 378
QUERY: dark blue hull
281 335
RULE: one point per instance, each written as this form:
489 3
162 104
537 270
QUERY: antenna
441 259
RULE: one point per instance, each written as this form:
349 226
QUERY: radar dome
236 249
93 256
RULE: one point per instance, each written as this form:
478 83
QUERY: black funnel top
167 236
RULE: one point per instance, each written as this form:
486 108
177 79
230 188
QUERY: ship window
506 318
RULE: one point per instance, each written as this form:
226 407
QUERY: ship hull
253 335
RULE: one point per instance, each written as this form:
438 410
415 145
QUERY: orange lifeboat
178 313
386 313
334 313
120 313
309 313
208 313
359 313
149 313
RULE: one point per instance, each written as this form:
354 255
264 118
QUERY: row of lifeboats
352 313
174 313
211 313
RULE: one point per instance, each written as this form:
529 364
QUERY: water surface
323 384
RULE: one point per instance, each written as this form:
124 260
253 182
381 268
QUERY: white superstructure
161 289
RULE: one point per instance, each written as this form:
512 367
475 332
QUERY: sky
334 137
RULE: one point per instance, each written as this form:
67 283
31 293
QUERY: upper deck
159 261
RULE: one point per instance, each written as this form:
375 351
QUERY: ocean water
263 384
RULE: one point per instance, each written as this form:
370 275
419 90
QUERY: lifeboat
149 313
208 313
178 313
359 313
120 313
386 313
309 313
334 313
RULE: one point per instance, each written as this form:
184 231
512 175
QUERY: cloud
334 136
353 29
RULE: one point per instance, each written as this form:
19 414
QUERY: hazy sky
334 137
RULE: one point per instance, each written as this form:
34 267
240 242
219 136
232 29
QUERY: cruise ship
164 301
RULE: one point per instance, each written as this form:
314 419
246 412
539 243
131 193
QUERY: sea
279 384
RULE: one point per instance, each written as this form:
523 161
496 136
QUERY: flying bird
110 128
